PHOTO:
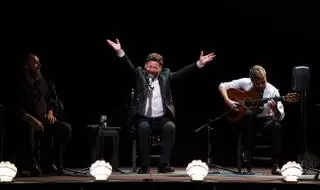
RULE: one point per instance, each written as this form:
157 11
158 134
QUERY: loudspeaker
300 78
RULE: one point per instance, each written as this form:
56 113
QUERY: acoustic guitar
251 100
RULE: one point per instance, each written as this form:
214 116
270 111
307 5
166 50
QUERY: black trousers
161 125
54 137
270 128
51 139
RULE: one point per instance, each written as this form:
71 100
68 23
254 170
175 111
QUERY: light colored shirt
269 92
156 101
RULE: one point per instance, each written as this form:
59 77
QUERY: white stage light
291 171
101 170
7 171
197 170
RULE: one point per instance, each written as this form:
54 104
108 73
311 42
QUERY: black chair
155 147
259 154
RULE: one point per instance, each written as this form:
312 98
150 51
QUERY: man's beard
35 74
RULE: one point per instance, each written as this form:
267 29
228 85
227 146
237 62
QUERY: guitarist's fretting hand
272 104
233 105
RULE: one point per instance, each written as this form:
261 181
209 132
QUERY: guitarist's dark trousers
270 129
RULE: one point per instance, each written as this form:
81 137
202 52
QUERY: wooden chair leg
239 154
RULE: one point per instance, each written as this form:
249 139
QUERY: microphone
149 81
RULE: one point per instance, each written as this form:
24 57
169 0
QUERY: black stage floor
216 179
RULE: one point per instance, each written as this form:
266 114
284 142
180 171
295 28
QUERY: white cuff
199 65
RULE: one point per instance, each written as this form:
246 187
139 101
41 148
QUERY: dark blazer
138 76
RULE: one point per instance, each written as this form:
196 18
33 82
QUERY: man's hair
155 57
256 72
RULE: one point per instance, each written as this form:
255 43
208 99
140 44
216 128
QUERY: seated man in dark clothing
36 114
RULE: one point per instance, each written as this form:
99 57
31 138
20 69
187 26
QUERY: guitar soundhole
248 103
252 105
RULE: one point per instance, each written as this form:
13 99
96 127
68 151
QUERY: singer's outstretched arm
184 72
189 69
123 57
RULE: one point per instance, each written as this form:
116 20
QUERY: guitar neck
264 100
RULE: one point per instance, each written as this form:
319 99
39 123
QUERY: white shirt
269 92
156 101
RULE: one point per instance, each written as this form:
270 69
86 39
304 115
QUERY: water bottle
103 119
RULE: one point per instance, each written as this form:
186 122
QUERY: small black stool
113 132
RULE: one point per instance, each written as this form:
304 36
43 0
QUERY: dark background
70 41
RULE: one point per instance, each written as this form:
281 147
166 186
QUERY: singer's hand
115 45
205 59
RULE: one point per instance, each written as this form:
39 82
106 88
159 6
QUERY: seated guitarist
36 113
268 118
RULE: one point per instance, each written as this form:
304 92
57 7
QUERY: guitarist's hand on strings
272 104
233 105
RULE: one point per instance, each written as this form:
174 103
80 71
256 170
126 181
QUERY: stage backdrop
70 41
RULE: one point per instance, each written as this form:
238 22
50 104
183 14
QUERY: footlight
291 171
197 170
101 170
7 171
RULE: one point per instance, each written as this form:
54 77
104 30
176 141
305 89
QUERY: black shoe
34 171
165 169
275 170
143 170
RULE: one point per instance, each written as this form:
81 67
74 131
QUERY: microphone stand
306 159
101 147
100 130
2 129
209 159
58 106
